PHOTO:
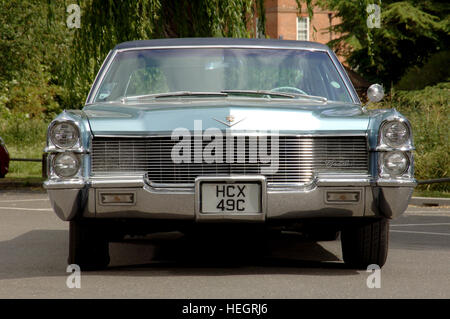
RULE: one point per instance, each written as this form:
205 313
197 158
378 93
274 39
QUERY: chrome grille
299 158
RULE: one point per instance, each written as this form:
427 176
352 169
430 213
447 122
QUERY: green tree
32 53
106 23
410 32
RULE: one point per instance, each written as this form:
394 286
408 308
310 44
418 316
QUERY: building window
303 28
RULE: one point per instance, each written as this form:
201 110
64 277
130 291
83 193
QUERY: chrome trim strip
116 182
344 182
396 183
222 46
96 84
169 190
64 184
54 149
100 75
385 148
345 79
174 188
271 186
234 133
317 182
165 185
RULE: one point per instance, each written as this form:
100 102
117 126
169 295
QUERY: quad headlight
66 164
64 134
395 146
395 133
394 164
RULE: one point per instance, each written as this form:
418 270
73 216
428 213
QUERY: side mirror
375 93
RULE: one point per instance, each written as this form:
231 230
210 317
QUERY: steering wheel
288 89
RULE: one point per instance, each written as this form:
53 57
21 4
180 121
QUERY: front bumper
376 198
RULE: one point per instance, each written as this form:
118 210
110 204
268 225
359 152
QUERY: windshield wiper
171 94
258 92
222 93
313 97
271 93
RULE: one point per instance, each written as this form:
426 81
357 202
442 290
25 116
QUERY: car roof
221 42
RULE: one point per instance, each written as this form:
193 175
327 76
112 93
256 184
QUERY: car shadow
41 253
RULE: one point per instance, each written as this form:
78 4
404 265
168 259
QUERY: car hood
285 117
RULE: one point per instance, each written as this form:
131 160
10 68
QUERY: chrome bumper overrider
377 198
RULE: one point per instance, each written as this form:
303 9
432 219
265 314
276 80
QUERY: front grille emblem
229 121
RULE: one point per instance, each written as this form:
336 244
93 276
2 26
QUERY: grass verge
425 193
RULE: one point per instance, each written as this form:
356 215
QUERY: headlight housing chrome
66 164
64 134
395 134
394 164
394 150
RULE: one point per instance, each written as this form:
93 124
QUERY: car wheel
365 244
88 245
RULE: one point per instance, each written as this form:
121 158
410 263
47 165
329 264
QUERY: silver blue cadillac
183 134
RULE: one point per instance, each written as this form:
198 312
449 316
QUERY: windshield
156 71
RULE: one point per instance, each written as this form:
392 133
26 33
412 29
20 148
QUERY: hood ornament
230 121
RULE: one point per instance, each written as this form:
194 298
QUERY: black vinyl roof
221 41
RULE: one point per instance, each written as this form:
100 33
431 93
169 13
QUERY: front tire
365 243
88 245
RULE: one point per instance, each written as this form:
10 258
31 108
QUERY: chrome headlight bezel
53 140
387 173
57 173
386 143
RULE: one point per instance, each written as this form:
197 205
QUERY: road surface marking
419 232
428 224
22 200
428 213
19 208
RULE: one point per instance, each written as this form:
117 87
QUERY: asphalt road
34 244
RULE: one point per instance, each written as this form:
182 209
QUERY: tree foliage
107 22
31 52
411 31
435 70
46 66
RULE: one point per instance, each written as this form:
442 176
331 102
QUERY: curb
429 201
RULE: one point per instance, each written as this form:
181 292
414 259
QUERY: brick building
283 21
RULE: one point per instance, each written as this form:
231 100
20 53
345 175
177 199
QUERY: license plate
238 198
